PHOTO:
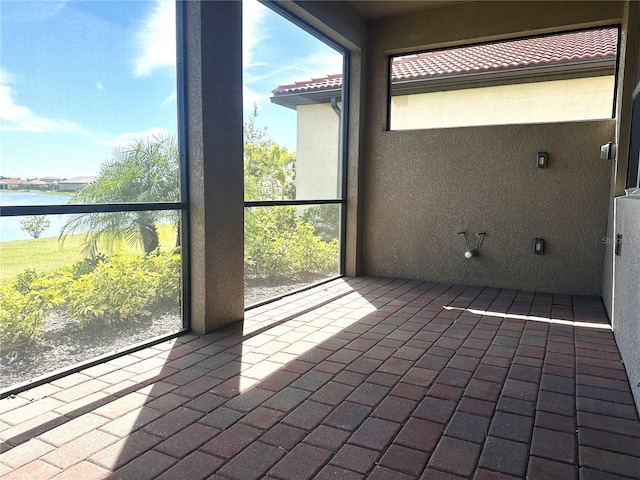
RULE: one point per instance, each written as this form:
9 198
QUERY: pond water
10 228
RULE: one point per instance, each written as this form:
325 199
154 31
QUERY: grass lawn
46 254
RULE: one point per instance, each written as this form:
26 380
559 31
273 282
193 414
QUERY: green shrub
126 289
24 280
115 291
25 303
325 220
19 321
165 270
87 265
279 245
34 225
54 286
309 253
111 290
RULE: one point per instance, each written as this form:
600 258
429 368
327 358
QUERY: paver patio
359 378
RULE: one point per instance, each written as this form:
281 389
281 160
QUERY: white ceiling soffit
374 9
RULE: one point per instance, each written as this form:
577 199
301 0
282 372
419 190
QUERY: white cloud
99 86
129 137
251 97
253 32
24 12
19 118
157 39
322 62
253 17
315 65
171 98
318 64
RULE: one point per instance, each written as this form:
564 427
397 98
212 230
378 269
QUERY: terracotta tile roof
85 179
324 83
560 49
12 181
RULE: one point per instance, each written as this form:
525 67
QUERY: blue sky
80 78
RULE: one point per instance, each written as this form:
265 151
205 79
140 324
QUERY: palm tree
144 171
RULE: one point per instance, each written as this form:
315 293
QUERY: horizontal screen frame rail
291 203
69 209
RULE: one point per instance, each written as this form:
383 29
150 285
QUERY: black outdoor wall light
538 246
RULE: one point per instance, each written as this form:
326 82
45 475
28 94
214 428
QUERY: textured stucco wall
553 101
338 20
424 186
317 155
214 135
626 308
465 22
625 85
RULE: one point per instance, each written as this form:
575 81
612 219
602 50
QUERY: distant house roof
82 180
12 181
577 52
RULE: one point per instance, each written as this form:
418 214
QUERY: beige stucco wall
424 186
626 307
630 32
621 291
317 156
551 101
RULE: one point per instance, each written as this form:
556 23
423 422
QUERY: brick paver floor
359 378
